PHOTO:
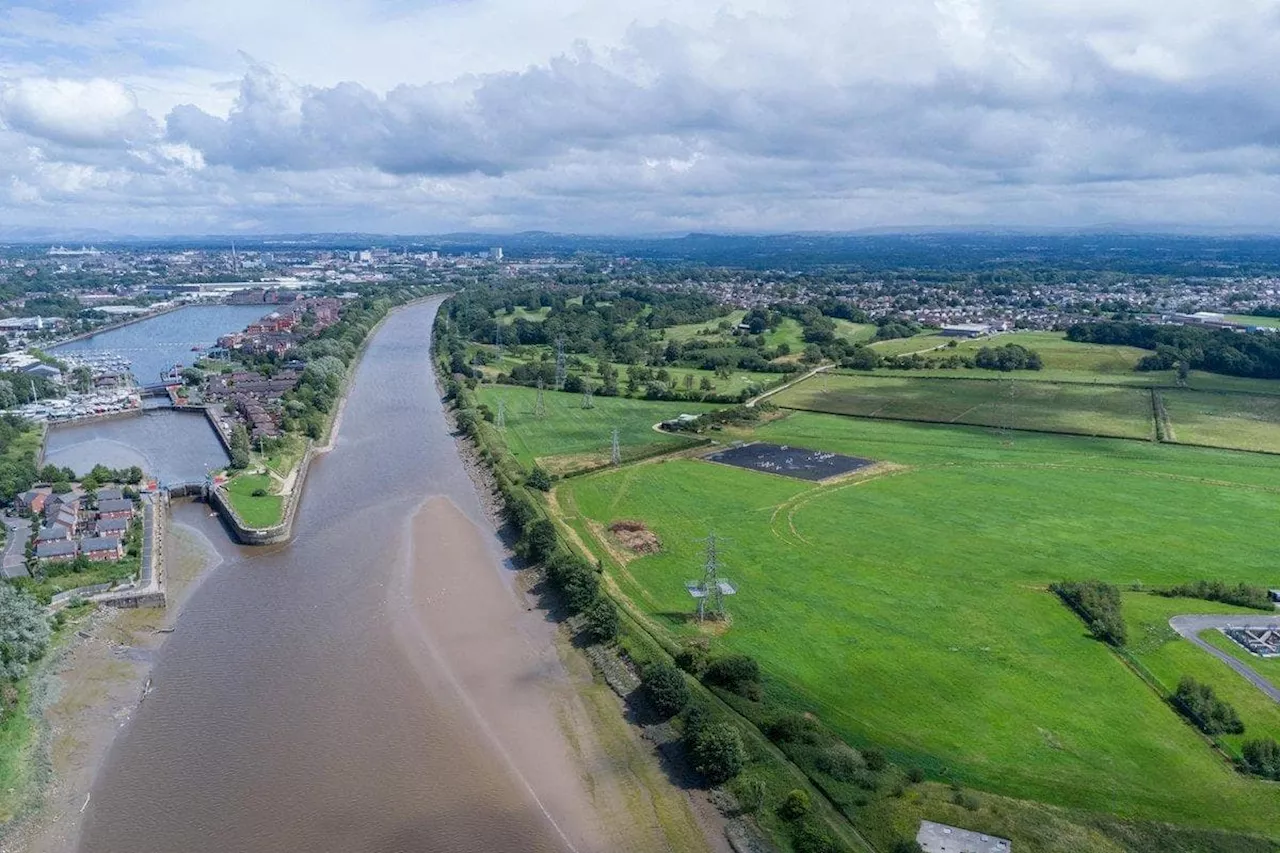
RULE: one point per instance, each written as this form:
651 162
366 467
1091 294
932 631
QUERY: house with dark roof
33 500
112 527
54 533
61 551
102 548
115 509
110 495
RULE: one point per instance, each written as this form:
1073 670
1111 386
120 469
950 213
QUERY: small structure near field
796 462
1263 641
940 838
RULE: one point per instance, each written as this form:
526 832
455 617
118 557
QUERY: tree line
1241 595
1251 354
1098 604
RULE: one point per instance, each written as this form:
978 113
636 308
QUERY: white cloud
653 115
82 113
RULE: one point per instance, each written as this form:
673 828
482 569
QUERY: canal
374 686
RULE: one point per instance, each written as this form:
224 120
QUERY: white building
495 254
940 838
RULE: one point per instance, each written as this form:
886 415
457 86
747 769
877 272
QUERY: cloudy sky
650 116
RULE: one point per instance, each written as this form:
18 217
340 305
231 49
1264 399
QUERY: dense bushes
736 673
1203 707
715 747
666 688
1098 604
1262 758
1008 357
1241 595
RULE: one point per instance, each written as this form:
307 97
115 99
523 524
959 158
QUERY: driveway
1191 626
17 532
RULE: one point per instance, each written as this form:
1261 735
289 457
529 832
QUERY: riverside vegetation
879 608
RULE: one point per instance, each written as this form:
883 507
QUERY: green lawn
1244 421
1064 357
570 437
1009 402
910 610
256 511
788 332
854 332
1250 320
711 328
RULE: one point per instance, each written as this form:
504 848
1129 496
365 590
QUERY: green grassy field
737 382
906 346
260 510
570 437
1064 357
1245 421
1062 407
523 313
910 610
854 332
1169 658
691 331
1250 320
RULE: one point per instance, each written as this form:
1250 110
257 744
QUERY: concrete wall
275 534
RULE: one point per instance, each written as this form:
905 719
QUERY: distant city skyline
155 118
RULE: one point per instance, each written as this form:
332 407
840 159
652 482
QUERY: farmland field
1244 421
905 346
908 609
1059 407
571 437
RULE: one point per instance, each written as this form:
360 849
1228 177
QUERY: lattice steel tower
540 403
710 592
562 368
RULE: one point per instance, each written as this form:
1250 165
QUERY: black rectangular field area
789 461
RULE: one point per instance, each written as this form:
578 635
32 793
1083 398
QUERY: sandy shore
562 734
94 687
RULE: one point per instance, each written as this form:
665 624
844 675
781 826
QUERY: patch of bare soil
635 537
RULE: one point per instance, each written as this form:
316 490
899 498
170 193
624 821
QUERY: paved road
18 530
1191 626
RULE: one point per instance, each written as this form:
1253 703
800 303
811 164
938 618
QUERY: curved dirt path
1191 626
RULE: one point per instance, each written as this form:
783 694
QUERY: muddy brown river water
376 686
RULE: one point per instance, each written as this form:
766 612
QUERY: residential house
115 509
110 495
45 371
54 533
112 527
32 501
102 548
60 551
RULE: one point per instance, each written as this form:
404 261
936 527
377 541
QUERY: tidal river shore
380 683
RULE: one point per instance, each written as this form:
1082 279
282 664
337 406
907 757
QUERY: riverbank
92 688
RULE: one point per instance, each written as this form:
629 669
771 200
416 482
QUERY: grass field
1244 421
522 313
259 510
691 331
1064 357
1061 407
571 437
910 610
906 346
1250 320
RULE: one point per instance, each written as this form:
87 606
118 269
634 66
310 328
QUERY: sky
184 117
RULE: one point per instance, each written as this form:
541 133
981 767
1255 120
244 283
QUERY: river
155 345
373 687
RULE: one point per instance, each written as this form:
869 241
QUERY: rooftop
941 838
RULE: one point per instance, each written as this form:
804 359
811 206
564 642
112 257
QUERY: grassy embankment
909 610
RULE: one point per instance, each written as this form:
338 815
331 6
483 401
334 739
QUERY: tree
539 479
1262 757
737 673
240 448
602 622
24 632
666 688
8 399
795 805
718 753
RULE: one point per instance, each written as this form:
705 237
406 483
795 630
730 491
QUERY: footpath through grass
568 437
910 610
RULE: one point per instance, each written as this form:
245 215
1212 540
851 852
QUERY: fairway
909 609
906 346
1062 358
570 437
1244 421
1058 407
